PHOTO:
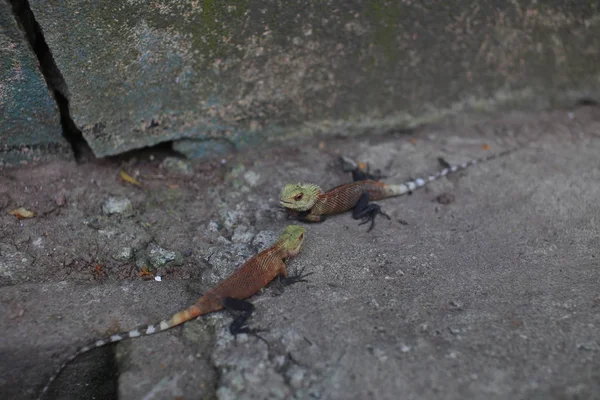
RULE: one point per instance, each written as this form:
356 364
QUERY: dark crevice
54 79
587 102
158 151
93 375
70 131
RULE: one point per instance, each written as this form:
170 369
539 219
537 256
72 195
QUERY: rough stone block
140 73
30 127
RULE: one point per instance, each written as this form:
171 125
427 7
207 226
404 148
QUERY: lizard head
299 196
292 239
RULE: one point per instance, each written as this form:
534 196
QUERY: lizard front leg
297 276
367 211
362 172
287 280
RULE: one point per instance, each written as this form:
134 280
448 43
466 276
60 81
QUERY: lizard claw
252 332
297 276
370 216
444 163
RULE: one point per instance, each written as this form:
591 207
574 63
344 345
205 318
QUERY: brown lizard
231 293
308 202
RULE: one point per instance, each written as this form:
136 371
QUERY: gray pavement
495 295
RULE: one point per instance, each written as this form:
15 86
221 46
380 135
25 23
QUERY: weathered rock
123 254
212 227
30 127
242 234
264 239
252 367
230 74
232 218
116 205
251 178
159 257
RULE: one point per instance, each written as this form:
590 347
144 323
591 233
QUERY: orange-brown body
344 197
246 281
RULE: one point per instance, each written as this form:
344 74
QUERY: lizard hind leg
239 323
362 172
367 211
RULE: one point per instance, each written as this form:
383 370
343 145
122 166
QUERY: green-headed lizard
244 282
308 202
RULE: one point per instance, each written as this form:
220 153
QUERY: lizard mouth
282 202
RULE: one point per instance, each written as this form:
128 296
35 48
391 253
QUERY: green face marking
299 196
292 239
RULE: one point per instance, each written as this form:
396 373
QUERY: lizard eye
298 197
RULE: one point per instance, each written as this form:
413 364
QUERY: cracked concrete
493 293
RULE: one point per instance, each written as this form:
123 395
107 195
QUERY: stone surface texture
492 293
222 75
30 127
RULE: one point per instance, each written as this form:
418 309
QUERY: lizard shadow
94 375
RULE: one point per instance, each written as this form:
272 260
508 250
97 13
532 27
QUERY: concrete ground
486 284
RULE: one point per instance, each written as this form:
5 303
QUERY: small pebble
116 205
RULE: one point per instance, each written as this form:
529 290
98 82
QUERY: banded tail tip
400 189
116 338
134 333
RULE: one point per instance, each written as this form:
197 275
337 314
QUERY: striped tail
203 306
409 186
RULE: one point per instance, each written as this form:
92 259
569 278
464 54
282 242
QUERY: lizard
231 293
309 203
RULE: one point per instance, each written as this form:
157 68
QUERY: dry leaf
128 178
485 146
21 213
